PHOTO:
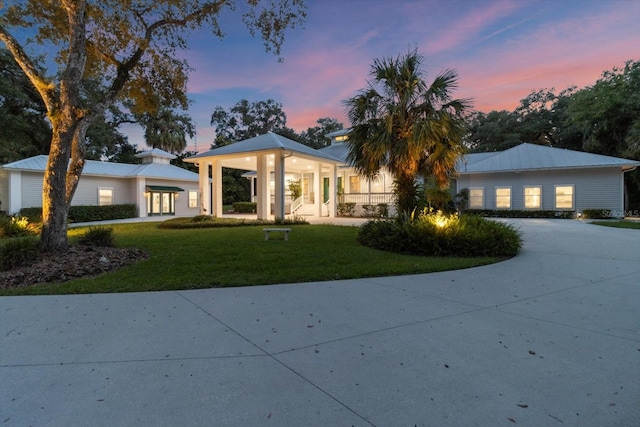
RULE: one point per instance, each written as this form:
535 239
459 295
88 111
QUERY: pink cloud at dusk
502 50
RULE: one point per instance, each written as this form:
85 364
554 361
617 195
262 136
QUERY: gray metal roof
119 170
268 142
538 157
338 150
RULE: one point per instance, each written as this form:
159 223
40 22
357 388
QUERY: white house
524 177
155 186
536 177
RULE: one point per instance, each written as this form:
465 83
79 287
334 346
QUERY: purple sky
502 50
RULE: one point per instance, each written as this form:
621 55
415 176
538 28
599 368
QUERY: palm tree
410 128
167 130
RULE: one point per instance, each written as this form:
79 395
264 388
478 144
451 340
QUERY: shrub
33 214
245 207
383 210
17 227
346 209
187 223
438 234
101 213
87 213
18 251
202 218
97 236
505 213
369 211
596 213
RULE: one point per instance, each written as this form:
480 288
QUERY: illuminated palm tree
411 128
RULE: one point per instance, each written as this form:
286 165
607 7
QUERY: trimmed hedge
200 222
504 213
245 207
596 214
86 213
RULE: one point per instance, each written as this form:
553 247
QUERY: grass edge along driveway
239 256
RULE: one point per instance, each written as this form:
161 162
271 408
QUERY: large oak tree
131 47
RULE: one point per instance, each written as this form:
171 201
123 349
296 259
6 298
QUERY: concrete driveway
549 338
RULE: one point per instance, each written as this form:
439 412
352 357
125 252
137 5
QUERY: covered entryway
161 199
278 161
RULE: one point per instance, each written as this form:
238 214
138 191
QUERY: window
105 196
193 199
476 198
532 197
503 197
341 138
354 184
564 196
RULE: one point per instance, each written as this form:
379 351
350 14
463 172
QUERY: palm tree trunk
406 193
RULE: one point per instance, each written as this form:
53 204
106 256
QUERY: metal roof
156 152
268 142
338 150
119 170
538 157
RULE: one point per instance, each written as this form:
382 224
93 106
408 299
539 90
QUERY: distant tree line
603 118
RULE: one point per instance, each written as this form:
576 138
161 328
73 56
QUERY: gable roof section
268 142
538 157
110 169
337 150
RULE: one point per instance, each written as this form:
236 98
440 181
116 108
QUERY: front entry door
161 203
325 190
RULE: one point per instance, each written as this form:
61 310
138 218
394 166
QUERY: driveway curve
551 337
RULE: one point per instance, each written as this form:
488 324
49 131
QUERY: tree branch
45 88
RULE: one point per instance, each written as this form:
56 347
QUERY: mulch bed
76 262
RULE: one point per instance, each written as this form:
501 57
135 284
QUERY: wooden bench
269 230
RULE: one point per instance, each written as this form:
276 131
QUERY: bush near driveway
438 234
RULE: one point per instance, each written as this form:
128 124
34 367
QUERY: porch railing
295 205
366 198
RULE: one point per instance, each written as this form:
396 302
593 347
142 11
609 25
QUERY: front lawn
239 256
619 224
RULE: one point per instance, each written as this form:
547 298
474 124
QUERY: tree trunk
55 206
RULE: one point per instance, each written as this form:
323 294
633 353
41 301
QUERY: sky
502 50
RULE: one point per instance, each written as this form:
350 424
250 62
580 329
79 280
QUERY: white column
14 203
262 196
279 185
141 199
333 191
317 189
216 173
203 184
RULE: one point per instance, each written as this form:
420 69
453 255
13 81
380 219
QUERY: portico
277 161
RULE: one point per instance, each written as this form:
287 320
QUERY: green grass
239 256
619 224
